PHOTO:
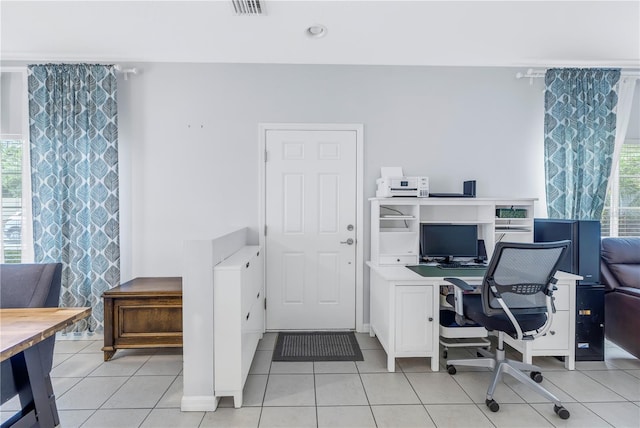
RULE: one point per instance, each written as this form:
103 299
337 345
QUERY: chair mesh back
521 273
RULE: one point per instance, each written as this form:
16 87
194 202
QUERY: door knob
348 242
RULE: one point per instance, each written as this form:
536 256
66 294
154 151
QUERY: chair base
500 365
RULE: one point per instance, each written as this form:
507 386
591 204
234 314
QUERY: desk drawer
398 260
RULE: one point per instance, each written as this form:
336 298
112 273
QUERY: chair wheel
444 354
451 369
561 411
492 405
536 376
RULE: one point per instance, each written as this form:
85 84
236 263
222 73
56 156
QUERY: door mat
317 346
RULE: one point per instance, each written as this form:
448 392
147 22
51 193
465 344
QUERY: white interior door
310 218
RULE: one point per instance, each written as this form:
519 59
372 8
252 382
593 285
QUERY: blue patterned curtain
74 171
579 136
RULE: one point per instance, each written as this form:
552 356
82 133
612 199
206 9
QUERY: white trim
359 130
540 73
626 91
366 328
80 335
13 69
47 56
199 403
27 251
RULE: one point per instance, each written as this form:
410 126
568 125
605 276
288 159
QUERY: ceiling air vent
248 7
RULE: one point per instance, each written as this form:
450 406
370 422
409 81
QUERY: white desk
405 316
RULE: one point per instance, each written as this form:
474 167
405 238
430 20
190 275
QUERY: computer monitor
448 241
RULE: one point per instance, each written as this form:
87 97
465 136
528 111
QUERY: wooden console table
143 313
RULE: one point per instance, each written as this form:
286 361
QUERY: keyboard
457 265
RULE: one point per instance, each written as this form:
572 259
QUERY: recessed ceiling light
316 31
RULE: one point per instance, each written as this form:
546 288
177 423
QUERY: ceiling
440 33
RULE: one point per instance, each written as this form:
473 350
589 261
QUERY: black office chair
517 299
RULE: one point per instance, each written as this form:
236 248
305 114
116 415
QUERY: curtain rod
536 74
119 68
126 71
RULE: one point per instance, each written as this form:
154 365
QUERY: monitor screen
449 240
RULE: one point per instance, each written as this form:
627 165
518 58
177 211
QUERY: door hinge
265 230
265 155
265 303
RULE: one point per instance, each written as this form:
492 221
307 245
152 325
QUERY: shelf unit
398 232
395 223
514 229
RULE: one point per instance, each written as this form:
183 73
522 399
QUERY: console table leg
108 354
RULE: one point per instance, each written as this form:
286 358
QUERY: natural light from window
621 216
11 206
16 241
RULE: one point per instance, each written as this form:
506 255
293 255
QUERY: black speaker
482 252
469 188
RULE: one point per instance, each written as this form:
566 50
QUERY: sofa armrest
607 278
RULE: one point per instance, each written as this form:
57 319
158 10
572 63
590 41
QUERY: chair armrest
460 284
460 287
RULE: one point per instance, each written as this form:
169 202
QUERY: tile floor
143 388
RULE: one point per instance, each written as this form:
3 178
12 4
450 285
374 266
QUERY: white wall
189 140
11 103
633 131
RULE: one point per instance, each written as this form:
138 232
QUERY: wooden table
143 313
21 332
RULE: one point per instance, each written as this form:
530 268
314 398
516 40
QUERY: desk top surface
430 271
24 327
145 286
434 274
429 274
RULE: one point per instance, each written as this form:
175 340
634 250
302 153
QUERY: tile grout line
416 392
266 385
586 373
315 392
597 381
472 400
364 389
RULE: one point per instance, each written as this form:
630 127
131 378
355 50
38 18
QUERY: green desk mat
435 271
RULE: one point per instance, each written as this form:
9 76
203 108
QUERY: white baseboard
199 403
365 328
83 335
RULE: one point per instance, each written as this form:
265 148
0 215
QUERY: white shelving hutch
395 223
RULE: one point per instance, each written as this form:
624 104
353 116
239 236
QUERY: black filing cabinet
590 323
582 258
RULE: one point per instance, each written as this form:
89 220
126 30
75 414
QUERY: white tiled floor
143 388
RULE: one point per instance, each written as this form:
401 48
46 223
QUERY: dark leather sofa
620 273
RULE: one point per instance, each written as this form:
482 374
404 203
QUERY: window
16 240
621 215
11 208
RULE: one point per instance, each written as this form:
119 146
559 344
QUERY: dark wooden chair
28 286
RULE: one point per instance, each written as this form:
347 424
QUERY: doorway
311 209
